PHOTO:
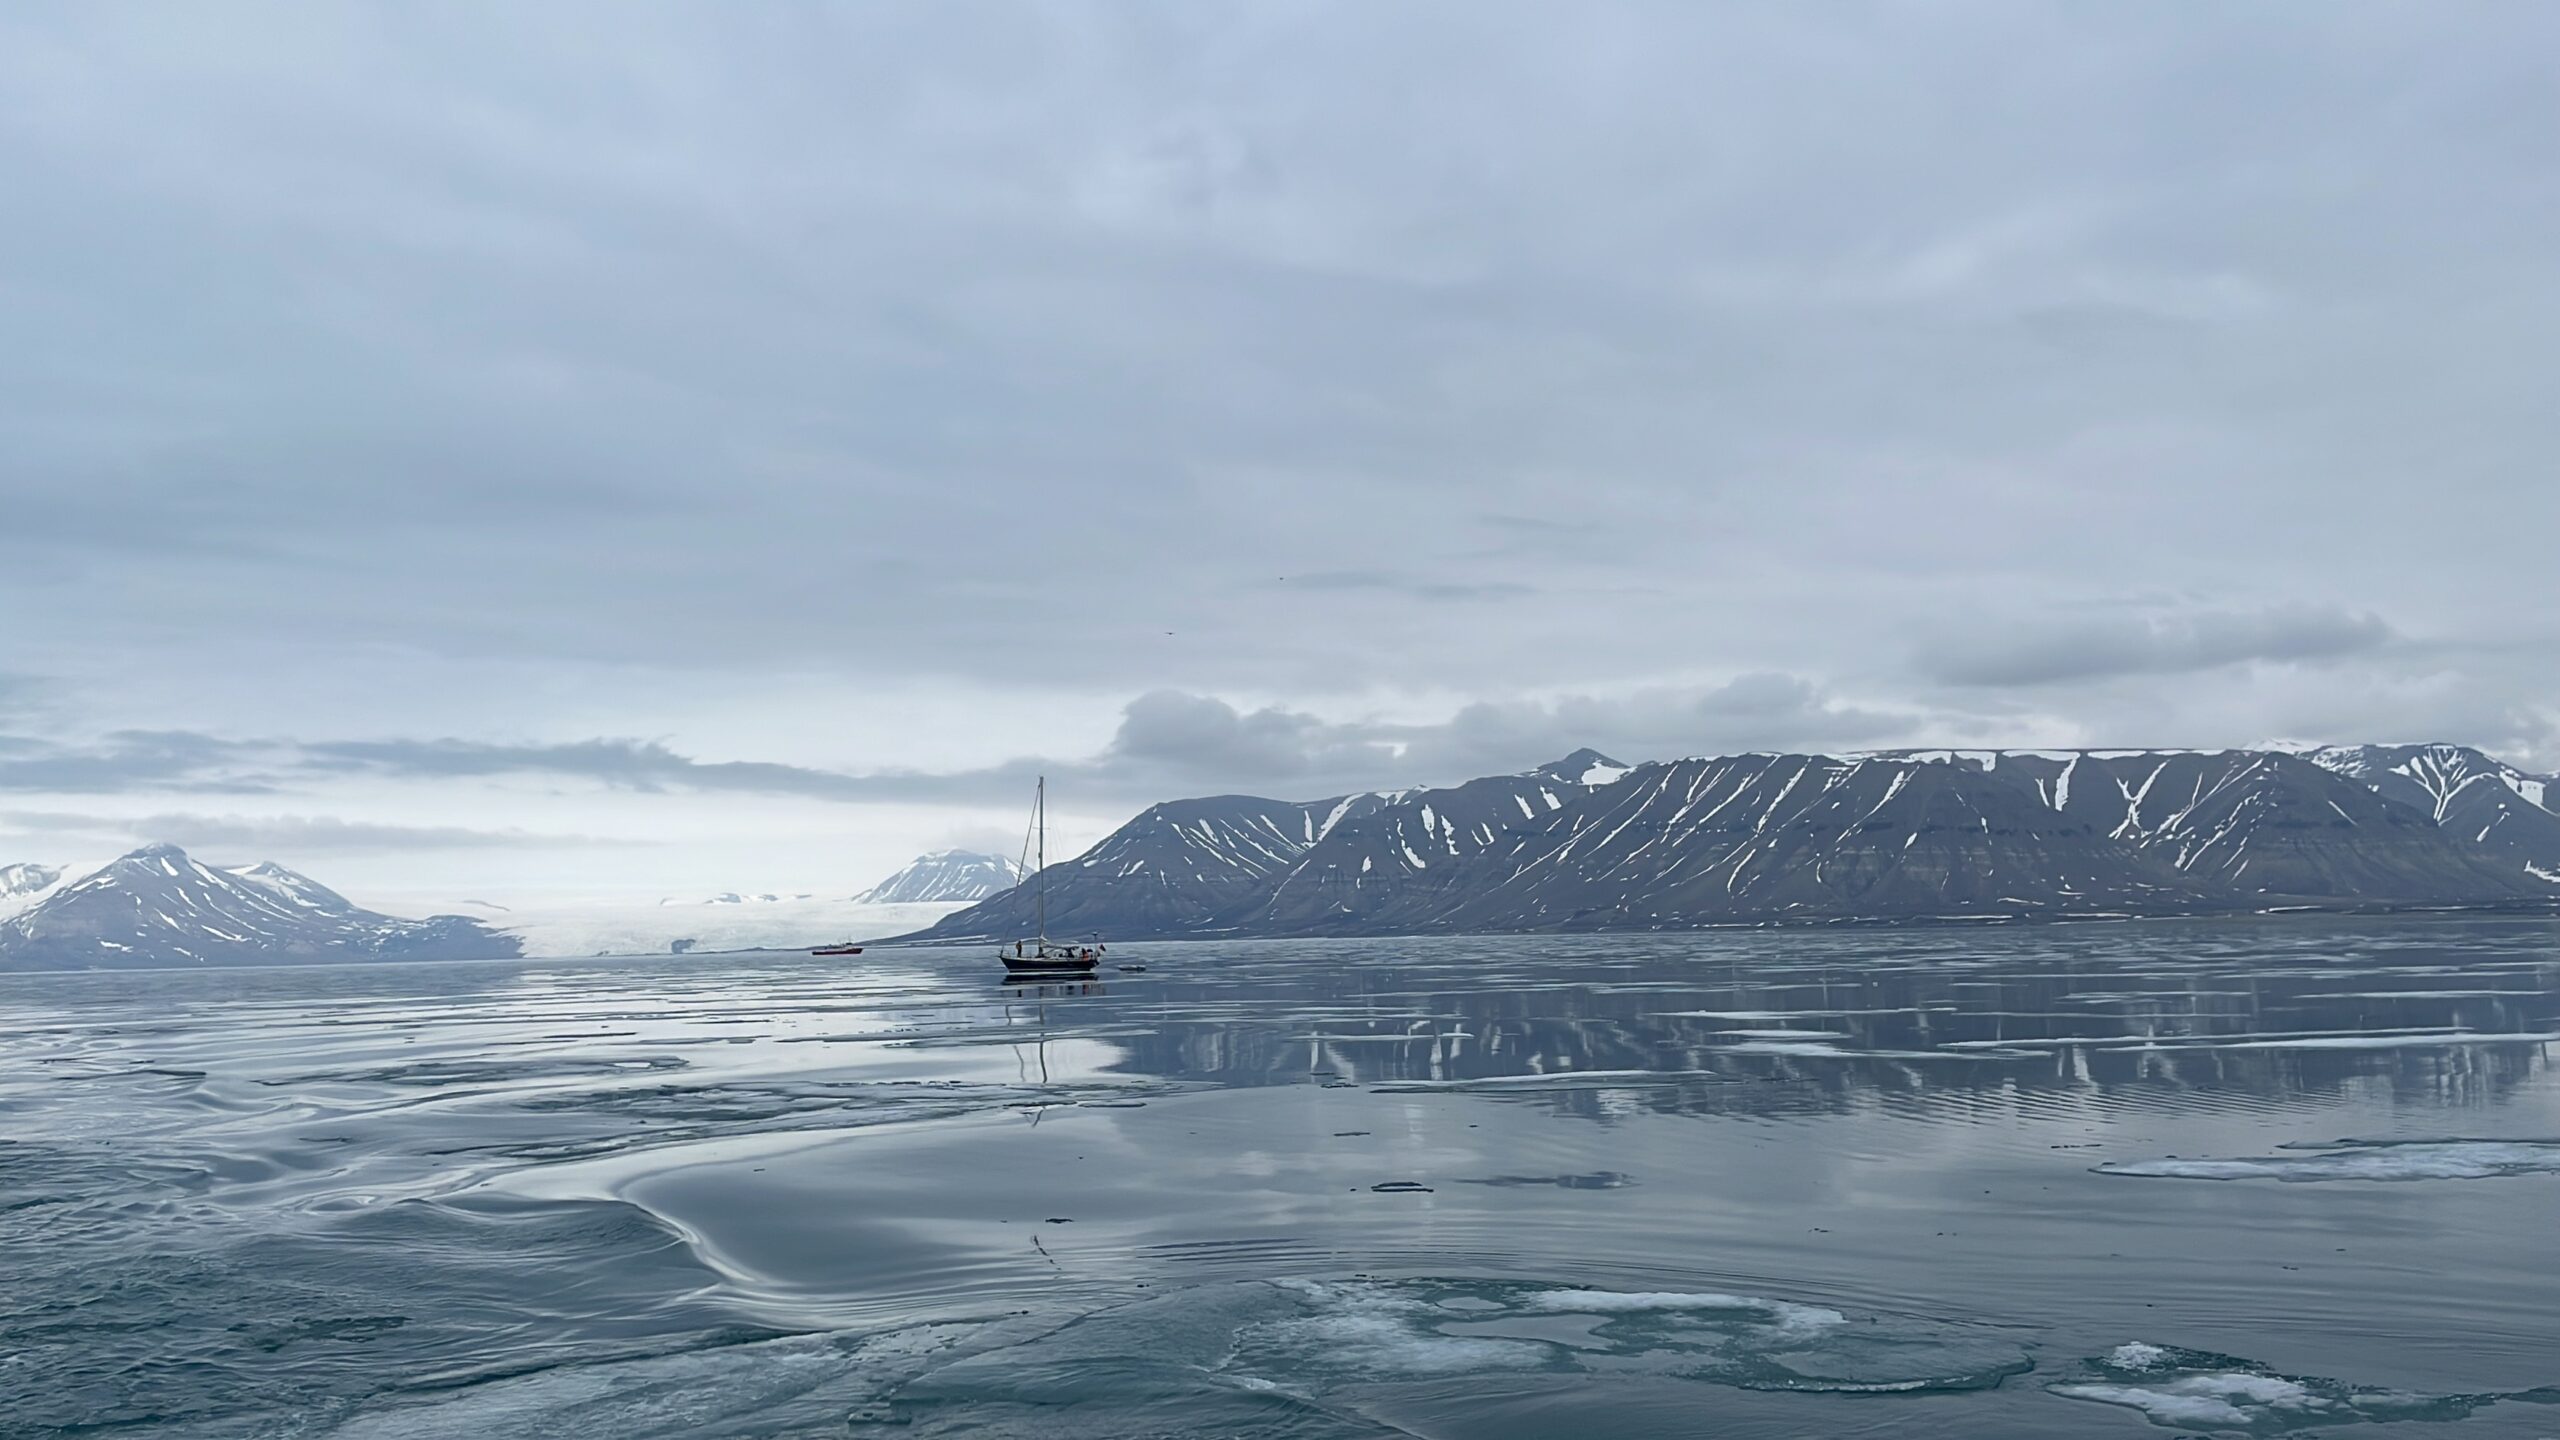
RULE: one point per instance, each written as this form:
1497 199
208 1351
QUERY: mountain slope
1407 856
2472 795
1588 844
2266 824
1776 837
157 907
1183 867
945 875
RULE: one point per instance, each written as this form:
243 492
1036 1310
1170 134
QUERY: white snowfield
646 927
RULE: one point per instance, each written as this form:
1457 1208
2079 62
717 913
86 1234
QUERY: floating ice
2195 1389
1558 1080
2388 1042
2134 1355
1205 1354
2363 1160
1783 1314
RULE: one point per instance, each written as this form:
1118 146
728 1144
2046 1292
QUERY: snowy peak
1585 767
2473 797
158 906
24 886
946 875
297 888
2433 776
20 881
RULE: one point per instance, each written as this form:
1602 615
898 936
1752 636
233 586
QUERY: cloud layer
2096 647
858 404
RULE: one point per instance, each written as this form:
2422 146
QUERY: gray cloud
463 347
264 836
1384 583
20 694
126 761
1168 743
1761 711
2096 647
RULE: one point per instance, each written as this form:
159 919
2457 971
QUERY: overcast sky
473 450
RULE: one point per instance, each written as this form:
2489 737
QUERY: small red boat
837 950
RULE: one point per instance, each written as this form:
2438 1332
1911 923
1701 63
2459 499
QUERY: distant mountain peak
945 875
27 878
1585 766
156 906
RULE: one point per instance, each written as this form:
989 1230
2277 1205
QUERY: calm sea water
2096 1180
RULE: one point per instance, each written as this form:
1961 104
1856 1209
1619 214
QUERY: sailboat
1040 955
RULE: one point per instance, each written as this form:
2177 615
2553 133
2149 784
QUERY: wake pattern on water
2199 1390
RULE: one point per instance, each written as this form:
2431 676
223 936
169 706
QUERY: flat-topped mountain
945 875
2267 824
1586 843
157 907
2465 792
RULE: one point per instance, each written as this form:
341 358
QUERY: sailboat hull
1029 965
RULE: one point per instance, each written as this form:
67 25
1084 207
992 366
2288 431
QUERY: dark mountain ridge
2499 807
1588 844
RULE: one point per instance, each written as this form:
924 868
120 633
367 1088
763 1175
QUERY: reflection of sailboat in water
1040 955
1023 1067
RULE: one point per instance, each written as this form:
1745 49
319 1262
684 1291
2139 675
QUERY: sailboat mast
1040 824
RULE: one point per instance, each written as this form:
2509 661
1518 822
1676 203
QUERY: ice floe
2363 1160
1207 1353
2198 1390
1558 1080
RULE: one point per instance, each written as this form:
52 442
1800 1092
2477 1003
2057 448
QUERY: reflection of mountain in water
1695 1038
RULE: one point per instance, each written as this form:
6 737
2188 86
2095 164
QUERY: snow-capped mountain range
953 875
1585 843
158 906
1589 844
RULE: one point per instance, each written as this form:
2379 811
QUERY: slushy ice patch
2363 1160
1310 1345
2198 1390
